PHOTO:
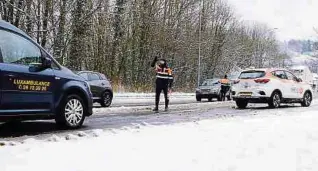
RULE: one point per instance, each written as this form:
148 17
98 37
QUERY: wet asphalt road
180 111
188 112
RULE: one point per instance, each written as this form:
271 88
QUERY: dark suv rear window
252 74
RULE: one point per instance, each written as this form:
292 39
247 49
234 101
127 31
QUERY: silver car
209 89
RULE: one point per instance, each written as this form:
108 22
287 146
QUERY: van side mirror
36 67
47 63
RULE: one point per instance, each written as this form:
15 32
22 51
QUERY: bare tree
119 38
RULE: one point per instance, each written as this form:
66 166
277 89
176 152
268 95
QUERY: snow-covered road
131 108
238 140
147 99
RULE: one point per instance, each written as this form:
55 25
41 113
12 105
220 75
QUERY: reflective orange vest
225 81
164 73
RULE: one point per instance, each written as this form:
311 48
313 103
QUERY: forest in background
119 38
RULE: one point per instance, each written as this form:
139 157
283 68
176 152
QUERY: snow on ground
144 108
134 98
274 140
129 99
126 102
145 95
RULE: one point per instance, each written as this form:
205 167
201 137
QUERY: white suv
272 86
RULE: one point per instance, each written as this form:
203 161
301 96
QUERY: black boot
155 109
166 109
166 105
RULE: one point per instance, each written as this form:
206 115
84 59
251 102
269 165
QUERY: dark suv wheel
72 112
106 99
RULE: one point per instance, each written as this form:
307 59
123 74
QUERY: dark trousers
162 85
224 90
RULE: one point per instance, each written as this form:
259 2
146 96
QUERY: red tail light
262 81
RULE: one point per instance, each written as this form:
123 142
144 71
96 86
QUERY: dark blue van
35 86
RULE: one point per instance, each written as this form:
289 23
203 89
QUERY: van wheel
241 104
106 99
72 112
275 100
307 99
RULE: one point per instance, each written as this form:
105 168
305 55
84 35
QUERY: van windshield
252 74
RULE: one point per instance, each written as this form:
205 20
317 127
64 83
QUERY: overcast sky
293 18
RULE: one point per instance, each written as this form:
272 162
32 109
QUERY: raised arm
154 61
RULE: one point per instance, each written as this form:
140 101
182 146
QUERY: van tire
73 106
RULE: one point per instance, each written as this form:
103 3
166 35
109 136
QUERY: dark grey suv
100 87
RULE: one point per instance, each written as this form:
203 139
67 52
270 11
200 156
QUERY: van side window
18 50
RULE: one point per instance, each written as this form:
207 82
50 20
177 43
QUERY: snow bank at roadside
262 143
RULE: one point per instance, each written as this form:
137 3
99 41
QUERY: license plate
246 93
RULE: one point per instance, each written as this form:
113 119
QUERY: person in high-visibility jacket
225 87
164 81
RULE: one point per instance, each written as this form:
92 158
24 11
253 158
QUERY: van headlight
87 86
